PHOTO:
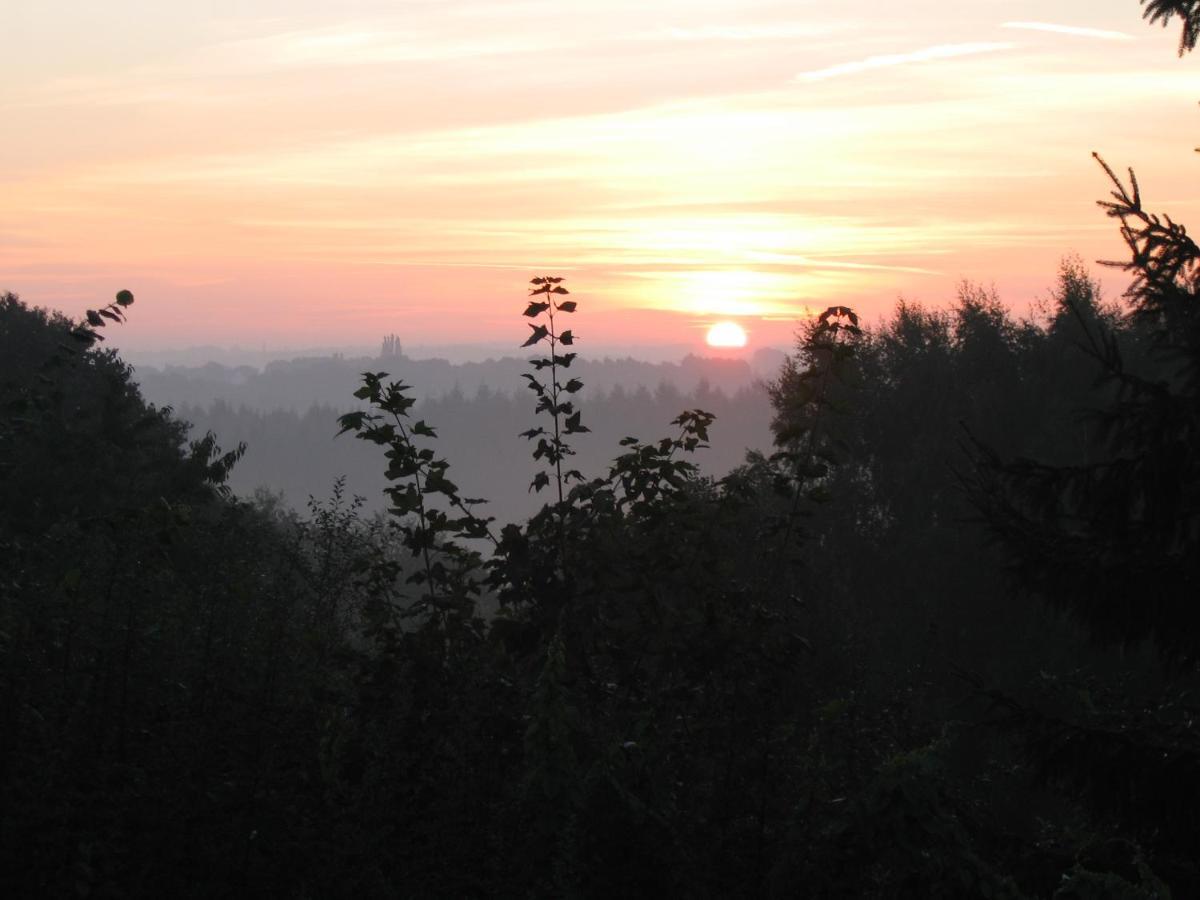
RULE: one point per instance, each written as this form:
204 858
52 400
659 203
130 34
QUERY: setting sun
726 334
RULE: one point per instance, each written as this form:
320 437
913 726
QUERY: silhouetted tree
1111 534
1187 10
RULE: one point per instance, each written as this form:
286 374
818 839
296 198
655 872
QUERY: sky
318 173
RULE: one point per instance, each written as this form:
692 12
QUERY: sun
726 334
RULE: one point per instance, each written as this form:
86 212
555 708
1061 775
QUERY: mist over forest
286 415
909 611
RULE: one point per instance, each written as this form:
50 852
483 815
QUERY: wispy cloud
768 31
927 54
810 262
1071 29
369 44
209 73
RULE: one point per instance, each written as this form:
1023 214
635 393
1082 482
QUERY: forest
940 642
282 415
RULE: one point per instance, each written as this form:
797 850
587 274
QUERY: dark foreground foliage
814 676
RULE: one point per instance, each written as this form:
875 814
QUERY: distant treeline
296 454
298 384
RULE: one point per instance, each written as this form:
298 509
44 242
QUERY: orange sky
318 173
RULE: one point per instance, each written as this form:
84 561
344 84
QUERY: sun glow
726 334
780 161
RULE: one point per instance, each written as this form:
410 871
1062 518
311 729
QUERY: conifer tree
1113 538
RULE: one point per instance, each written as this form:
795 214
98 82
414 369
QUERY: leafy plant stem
554 390
420 509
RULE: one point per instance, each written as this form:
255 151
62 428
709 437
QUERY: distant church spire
391 346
